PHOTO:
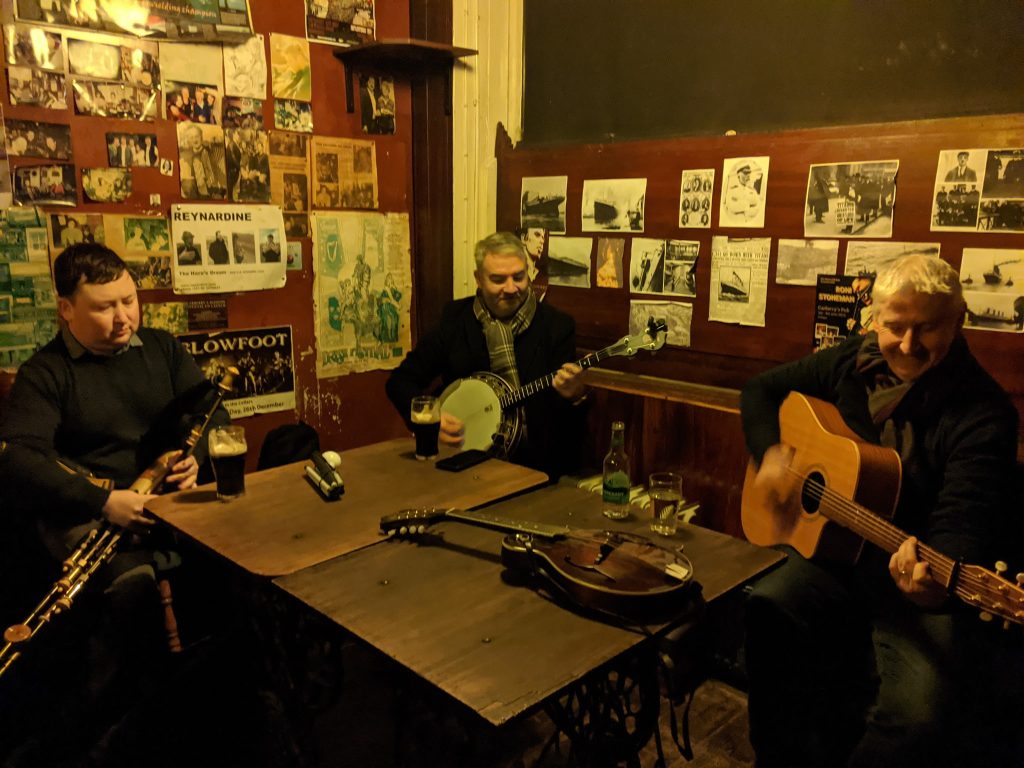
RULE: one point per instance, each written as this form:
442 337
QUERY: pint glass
227 454
426 425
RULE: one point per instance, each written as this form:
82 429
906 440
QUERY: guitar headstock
991 592
652 339
411 521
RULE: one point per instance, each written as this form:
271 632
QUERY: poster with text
842 308
344 173
222 248
361 291
28 305
194 20
339 23
264 359
739 280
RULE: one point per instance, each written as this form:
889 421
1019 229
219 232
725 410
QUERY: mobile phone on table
463 460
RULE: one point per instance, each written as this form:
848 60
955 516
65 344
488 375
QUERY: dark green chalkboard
604 70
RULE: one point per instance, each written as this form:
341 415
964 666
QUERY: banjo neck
517 396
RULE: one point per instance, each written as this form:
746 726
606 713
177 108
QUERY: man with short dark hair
104 396
875 664
219 249
962 174
504 329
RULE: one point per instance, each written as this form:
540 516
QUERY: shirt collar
76 350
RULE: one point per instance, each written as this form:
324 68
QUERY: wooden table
445 611
283 525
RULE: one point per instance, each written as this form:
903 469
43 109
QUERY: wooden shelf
404 55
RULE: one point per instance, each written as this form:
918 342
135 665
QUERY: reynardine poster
361 291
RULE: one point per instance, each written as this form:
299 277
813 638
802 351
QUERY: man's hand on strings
568 381
913 577
778 485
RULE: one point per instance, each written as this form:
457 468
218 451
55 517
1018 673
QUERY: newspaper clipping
222 248
739 280
344 173
263 357
28 306
361 291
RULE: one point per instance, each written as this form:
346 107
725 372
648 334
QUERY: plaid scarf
885 392
500 336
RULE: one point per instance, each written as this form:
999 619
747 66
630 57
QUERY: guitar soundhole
810 493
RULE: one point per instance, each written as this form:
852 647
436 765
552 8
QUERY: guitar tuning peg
1020 579
403 530
421 529
1001 567
985 616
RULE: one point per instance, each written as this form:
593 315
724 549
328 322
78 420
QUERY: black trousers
843 671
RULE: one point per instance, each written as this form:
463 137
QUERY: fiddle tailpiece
101 543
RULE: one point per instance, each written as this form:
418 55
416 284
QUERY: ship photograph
613 205
992 270
542 203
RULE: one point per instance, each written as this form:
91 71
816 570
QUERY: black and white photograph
150 272
45 185
1004 175
34 47
27 138
296 225
263 357
189 253
535 239
1001 216
744 191
240 112
217 250
678 316
201 161
610 251
289 144
126 150
994 311
993 270
377 104
850 199
140 64
957 196
72 228
270 246
613 204
291 115
646 265
106 185
543 203
92 59
37 88
869 258
112 99
192 102
296 192
243 245
679 275
801 261
695 190
339 22
248 165
146 235
569 261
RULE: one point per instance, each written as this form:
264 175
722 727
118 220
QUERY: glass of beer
227 454
426 425
666 492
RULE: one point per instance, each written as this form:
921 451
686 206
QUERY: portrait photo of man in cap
743 193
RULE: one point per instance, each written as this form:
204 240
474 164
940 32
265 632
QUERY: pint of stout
227 454
425 416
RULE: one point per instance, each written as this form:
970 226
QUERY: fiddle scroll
100 545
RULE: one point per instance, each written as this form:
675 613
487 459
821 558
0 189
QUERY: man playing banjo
506 331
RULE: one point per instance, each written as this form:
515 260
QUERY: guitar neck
483 520
887 536
516 396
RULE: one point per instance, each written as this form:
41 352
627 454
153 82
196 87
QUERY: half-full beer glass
227 454
426 425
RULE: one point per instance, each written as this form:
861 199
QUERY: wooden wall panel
348 410
727 355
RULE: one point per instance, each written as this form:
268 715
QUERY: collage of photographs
975 190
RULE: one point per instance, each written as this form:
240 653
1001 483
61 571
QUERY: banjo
490 409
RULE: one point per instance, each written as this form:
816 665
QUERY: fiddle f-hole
811 492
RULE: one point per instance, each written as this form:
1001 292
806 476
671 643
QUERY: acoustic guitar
611 571
489 407
841 479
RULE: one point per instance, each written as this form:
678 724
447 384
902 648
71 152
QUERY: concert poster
264 359
842 308
28 305
227 248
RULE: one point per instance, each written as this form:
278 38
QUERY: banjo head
474 401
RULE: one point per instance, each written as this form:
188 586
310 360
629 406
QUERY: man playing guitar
504 330
872 664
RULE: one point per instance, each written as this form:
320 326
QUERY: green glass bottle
615 489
